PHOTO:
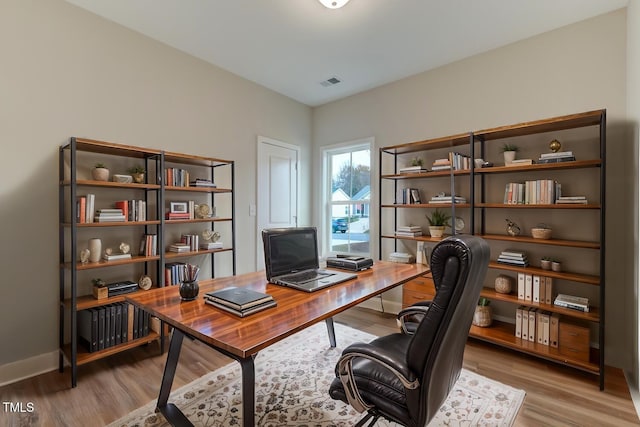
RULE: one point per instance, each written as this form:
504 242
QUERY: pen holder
189 290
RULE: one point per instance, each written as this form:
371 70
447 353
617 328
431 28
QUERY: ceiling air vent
330 82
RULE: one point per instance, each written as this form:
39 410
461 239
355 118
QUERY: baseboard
27 368
633 391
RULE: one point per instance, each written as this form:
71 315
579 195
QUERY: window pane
349 200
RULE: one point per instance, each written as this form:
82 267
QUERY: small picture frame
178 207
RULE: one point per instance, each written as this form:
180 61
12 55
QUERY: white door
277 189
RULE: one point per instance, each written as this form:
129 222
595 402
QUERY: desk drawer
420 289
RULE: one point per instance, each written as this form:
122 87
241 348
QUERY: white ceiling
291 46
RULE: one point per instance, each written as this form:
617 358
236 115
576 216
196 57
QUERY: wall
66 72
573 69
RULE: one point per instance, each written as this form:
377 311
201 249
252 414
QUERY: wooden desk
242 338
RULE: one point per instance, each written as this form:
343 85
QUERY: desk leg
169 410
331 331
248 391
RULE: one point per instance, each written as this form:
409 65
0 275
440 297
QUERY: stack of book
110 215
211 245
413 169
179 247
572 302
561 156
444 199
441 165
513 258
192 240
115 256
580 200
239 301
409 231
201 182
520 162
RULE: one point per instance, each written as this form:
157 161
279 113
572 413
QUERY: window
347 195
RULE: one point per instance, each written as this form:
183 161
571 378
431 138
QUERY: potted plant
137 172
100 172
509 151
556 265
100 290
437 222
416 161
545 263
482 315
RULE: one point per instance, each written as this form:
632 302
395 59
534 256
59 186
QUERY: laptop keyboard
305 276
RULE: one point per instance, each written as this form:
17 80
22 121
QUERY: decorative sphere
503 284
555 145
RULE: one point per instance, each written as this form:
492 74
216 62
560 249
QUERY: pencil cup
189 290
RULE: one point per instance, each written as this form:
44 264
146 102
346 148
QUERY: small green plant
137 169
483 302
547 258
99 283
100 165
416 161
439 218
509 147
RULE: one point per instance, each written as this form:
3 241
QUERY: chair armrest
378 355
419 309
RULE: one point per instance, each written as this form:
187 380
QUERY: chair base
366 418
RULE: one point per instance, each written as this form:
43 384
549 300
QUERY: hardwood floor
110 388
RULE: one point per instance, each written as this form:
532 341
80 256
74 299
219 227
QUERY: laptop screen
287 250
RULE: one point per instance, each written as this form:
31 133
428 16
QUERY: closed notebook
238 298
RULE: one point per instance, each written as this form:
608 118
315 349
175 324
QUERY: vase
189 290
509 156
100 174
482 316
436 230
95 250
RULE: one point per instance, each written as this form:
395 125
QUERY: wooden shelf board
431 174
504 334
553 242
576 164
113 224
171 255
103 263
198 189
111 184
591 316
88 301
103 147
85 357
195 160
573 277
427 205
212 219
572 121
429 144
523 206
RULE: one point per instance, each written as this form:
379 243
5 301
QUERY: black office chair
404 377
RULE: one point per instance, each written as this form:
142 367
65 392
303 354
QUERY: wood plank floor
110 388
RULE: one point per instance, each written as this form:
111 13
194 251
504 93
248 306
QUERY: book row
123 210
535 288
537 192
109 325
539 326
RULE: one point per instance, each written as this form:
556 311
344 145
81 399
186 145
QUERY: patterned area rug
292 379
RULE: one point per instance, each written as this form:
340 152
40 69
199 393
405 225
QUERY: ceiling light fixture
334 4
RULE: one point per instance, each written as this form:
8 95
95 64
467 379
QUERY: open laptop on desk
291 259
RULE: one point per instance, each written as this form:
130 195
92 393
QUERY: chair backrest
459 266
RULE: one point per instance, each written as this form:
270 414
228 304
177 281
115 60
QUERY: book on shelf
179 247
516 262
110 218
407 196
572 302
556 159
572 200
112 257
211 245
409 228
413 169
123 205
238 298
148 245
447 200
202 182
557 154
520 162
408 233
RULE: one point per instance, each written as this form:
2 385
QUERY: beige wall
66 72
576 68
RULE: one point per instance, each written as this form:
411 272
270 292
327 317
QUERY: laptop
291 259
